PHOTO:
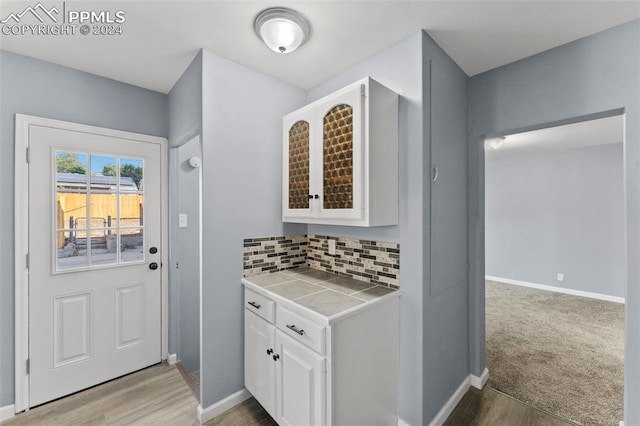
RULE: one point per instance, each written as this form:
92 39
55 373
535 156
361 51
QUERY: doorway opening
555 268
185 259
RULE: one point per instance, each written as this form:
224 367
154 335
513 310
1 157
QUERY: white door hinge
27 260
28 365
28 155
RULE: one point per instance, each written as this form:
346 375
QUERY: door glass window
99 204
338 158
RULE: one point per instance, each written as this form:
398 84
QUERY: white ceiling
161 37
602 131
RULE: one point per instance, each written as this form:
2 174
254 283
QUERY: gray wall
558 211
429 373
30 86
399 67
185 104
242 196
446 321
185 121
579 79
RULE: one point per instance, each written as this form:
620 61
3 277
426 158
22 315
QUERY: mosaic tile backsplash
270 254
371 261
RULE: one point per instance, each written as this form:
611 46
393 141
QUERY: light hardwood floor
159 395
155 395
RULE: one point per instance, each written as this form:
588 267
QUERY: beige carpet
563 354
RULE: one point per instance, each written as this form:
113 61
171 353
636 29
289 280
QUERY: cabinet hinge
28 365
27 260
28 155
362 90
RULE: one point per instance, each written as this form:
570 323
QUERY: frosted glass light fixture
282 30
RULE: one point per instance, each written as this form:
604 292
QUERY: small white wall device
194 162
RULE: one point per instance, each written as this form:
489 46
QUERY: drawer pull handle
254 304
295 329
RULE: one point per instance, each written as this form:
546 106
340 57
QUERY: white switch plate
332 247
560 277
182 220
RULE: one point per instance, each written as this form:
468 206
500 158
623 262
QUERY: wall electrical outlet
182 220
332 247
560 277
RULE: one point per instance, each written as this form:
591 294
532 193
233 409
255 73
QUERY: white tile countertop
327 295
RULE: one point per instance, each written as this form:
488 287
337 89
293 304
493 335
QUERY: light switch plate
182 220
560 277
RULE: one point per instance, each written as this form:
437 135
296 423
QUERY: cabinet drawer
259 304
301 329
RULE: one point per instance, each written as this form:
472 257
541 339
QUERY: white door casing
81 327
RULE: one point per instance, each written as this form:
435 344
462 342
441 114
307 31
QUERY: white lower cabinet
300 383
306 369
259 366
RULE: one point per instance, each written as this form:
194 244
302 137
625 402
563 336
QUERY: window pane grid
100 215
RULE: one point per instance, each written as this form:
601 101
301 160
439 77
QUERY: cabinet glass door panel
299 165
297 158
338 158
341 150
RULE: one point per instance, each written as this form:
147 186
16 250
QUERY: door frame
21 238
477 276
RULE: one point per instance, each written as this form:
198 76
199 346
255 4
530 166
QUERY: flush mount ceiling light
494 143
282 30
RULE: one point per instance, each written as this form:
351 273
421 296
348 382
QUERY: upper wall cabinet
340 158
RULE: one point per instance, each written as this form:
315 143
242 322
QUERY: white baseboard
7 412
206 414
172 359
450 405
402 422
479 382
570 291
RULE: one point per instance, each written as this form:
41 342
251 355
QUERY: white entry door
94 259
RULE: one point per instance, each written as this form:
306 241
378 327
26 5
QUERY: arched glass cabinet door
337 158
297 160
341 151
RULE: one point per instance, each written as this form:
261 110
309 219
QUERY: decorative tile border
372 261
270 254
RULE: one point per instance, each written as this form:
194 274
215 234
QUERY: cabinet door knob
295 329
254 304
276 357
269 351
310 196
316 196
